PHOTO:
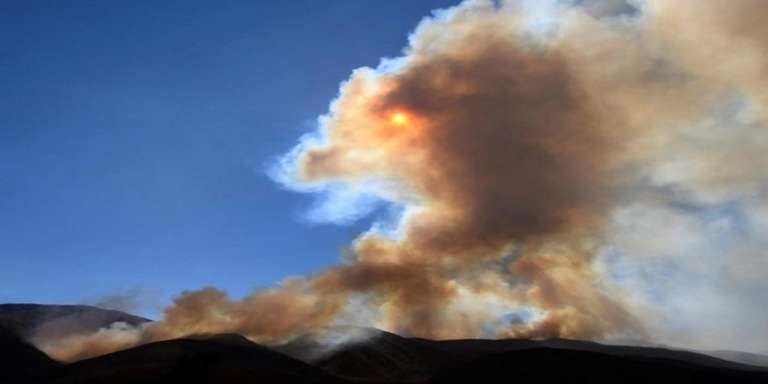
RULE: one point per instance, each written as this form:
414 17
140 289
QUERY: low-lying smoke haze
590 169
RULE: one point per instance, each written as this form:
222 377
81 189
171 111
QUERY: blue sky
136 135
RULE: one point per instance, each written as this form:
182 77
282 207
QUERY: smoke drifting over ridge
596 173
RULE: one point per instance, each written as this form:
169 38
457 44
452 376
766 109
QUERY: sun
398 118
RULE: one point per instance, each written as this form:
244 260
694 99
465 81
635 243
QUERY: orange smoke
508 154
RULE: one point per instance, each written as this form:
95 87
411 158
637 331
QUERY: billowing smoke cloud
73 347
596 173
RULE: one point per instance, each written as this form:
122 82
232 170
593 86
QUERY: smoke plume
584 174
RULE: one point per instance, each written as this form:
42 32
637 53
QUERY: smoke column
589 170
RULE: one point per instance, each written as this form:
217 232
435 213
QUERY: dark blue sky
135 136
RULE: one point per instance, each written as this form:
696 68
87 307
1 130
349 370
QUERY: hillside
344 355
221 359
20 361
386 357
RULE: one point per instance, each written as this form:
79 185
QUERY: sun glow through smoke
398 118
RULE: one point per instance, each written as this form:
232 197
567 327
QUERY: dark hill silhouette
220 359
382 358
365 356
27 320
386 357
19 361
552 365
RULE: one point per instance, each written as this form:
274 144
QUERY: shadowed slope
551 365
386 357
20 361
378 357
219 359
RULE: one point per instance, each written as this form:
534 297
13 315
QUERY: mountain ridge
360 355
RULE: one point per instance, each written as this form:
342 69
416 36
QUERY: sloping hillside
19 361
220 359
553 365
385 357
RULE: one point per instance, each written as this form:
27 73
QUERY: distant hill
741 357
27 320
